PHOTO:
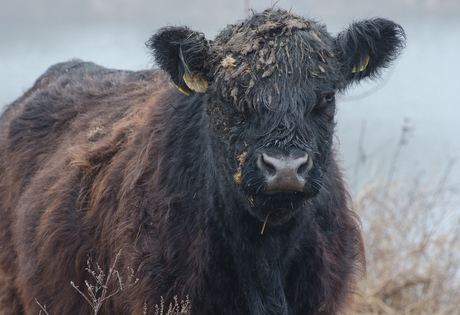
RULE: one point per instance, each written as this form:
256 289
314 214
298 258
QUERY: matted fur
94 161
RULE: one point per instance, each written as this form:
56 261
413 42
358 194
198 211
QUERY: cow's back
49 139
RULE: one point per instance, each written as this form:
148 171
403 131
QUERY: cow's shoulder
84 73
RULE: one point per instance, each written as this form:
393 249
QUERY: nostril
305 167
302 169
265 164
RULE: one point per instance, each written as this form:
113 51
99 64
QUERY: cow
214 179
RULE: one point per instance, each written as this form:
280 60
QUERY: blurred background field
398 137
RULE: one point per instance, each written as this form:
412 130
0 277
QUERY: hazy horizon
420 87
136 12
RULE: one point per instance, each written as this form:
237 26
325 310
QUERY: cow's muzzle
285 173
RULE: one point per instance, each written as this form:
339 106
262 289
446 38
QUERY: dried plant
42 308
411 230
183 309
98 293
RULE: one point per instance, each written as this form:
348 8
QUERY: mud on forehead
271 57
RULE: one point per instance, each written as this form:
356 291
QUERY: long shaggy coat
164 167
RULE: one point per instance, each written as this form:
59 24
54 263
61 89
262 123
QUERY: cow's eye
324 101
326 106
329 97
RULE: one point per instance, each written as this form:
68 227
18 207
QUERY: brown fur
66 161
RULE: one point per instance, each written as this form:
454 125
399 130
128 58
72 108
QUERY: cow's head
269 84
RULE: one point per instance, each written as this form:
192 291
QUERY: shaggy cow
214 176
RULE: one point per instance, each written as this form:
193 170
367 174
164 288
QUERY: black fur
94 161
380 39
179 50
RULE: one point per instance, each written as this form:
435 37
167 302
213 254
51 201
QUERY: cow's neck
262 273
261 261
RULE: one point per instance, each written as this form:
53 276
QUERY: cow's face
269 83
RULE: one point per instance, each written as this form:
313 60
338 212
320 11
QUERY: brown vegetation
411 230
412 247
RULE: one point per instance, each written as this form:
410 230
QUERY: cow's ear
182 53
369 46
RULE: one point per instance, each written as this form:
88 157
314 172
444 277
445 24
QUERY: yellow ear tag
185 91
363 67
196 82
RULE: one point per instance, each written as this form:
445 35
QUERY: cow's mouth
276 207
280 192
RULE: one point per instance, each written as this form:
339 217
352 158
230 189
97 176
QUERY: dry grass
183 309
98 291
413 252
411 230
